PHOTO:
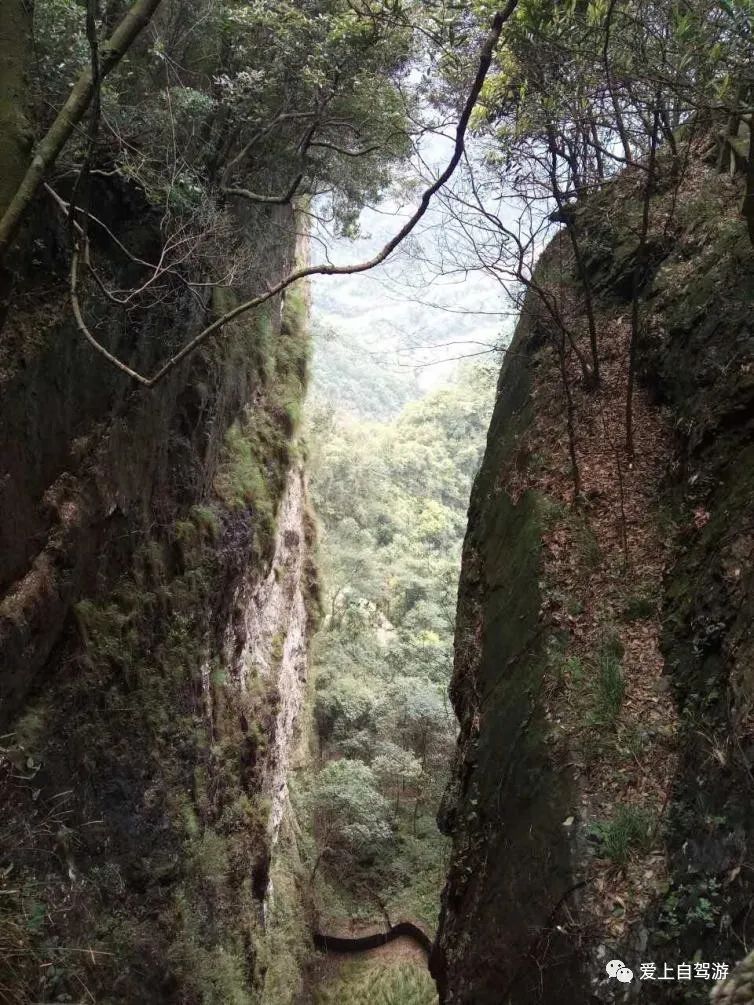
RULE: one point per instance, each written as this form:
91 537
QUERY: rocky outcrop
158 590
546 882
88 461
511 869
269 638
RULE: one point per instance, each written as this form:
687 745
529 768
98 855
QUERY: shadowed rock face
511 869
15 132
86 461
154 618
515 873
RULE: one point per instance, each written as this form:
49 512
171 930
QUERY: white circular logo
617 969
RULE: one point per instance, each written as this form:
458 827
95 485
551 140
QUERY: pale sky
400 303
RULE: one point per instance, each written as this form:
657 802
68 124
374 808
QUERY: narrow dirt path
367 940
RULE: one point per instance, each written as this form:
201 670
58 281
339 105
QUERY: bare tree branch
342 150
268 200
485 60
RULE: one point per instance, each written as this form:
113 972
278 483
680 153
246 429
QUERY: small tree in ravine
350 816
396 768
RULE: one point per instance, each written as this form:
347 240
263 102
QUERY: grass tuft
402 984
610 683
631 829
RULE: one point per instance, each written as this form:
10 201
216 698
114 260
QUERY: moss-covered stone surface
511 865
140 759
513 928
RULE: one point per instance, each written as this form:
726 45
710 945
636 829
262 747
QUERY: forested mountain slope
391 499
173 827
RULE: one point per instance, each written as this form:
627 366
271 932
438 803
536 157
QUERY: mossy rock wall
15 132
88 461
511 862
146 728
508 801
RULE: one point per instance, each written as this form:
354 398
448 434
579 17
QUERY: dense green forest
351 379
391 499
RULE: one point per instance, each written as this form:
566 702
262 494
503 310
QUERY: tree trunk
638 277
72 112
748 206
619 122
15 131
580 266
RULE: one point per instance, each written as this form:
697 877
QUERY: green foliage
110 632
574 668
61 46
346 705
292 358
206 520
392 499
349 811
259 445
348 379
610 683
697 903
241 480
630 830
215 976
395 767
287 918
209 857
640 605
249 65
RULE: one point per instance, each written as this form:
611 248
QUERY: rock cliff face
601 801
158 592
273 633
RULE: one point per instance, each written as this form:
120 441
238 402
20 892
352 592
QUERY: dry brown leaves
595 559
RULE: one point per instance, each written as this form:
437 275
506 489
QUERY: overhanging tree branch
72 112
485 61
267 200
343 150
261 134
302 148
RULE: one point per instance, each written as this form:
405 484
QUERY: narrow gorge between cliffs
376 528
390 469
